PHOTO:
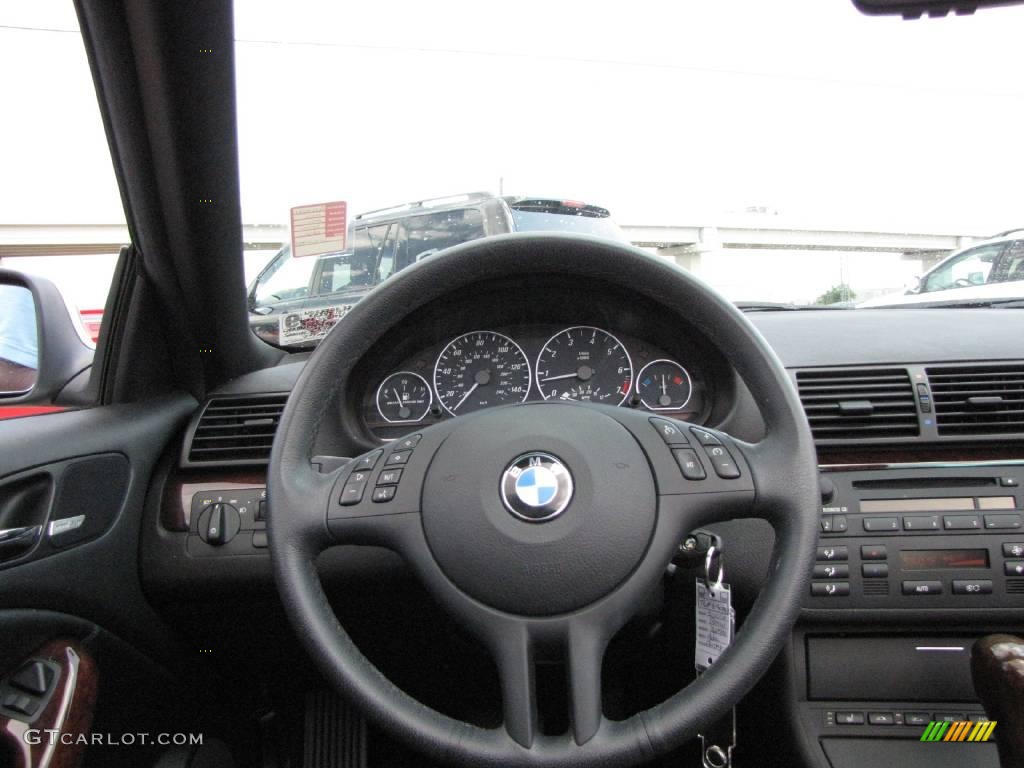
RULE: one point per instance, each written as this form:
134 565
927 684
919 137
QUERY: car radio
920 537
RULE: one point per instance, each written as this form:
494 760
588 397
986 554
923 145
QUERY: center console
914 563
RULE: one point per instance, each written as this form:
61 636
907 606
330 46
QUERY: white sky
665 112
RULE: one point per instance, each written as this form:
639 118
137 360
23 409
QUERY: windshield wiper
771 306
958 304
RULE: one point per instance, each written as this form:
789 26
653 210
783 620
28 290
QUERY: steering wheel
543 523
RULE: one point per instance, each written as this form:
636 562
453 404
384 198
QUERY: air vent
1015 586
858 404
235 430
978 399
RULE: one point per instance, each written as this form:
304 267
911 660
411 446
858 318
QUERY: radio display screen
933 559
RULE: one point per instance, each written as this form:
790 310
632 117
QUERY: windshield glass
798 155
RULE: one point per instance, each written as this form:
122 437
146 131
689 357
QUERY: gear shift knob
997 666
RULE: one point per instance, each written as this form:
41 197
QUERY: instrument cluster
489 367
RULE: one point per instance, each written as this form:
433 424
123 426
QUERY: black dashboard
555 342
922 529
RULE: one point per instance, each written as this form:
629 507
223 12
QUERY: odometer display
584 363
481 369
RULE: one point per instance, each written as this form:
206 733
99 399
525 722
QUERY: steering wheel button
389 477
689 464
352 493
704 437
722 461
368 462
398 457
407 443
384 493
670 433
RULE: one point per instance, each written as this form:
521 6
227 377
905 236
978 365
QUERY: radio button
921 523
1014 567
831 571
875 570
961 522
972 586
830 589
874 552
1008 482
922 587
994 522
1013 549
875 524
832 553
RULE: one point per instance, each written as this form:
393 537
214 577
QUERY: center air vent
858 403
978 399
235 430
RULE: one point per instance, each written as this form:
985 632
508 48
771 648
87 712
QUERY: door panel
92 464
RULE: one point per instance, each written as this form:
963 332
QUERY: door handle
16 541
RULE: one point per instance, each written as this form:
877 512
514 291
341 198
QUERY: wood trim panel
69 711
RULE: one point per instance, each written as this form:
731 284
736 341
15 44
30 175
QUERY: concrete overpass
689 244
686 244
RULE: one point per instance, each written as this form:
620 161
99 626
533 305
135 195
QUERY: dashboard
921 549
594 345
513 364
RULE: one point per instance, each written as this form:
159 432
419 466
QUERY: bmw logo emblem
536 487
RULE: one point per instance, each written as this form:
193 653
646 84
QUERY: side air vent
978 399
234 430
858 403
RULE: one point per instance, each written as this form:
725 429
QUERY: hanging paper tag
714 623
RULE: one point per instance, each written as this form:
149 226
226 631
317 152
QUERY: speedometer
584 363
481 369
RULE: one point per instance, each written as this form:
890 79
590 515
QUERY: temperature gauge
664 385
403 396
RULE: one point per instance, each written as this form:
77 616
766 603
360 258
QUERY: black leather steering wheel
575 577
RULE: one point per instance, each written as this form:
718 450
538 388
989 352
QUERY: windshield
815 156
791 154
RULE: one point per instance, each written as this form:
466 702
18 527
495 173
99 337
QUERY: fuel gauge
403 396
664 385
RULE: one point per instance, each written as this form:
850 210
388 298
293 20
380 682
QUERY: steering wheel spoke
511 645
375 495
585 647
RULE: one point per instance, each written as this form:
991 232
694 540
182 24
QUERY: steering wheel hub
594 530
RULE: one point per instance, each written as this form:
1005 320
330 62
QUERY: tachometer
481 369
663 385
584 363
403 396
